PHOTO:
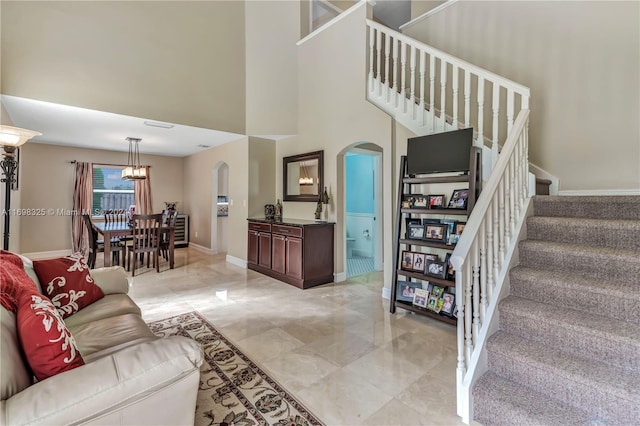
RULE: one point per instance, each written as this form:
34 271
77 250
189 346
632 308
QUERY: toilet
350 243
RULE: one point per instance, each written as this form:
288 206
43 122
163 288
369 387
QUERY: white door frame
215 176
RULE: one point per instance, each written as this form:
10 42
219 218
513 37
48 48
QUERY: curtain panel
142 194
82 199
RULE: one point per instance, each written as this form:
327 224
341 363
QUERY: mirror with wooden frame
303 176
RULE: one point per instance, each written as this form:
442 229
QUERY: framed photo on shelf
450 272
436 201
416 232
420 297
459 199
407 201
436 269
420 201
427 220
448 304
438 291
436 232
432 303
407 260
419 262
459 228
431 256
406 289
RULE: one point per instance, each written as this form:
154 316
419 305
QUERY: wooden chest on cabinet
297 252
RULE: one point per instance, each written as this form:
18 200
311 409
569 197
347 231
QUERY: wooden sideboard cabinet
298 252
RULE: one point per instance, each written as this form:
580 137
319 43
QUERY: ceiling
86 128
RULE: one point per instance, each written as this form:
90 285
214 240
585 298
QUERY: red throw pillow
46 341
13 282
67 282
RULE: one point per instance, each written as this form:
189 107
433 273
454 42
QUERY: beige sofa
131 377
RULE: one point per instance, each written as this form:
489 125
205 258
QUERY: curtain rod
103 164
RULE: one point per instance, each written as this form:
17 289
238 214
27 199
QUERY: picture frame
407 201
420 297
458 199
428 220
448 304
407 260
437 290
459 227
436 201
450 271
436 232
420 201
415 232
406 289
431 256
432 302
419 262
436 269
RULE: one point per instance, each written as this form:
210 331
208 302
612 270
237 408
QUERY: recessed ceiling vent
157 124
204 146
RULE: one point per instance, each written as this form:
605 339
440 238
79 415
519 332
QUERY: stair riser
581 299
596 347
602 403
627 208
620 237
619 268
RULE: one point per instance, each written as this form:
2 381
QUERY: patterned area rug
233 389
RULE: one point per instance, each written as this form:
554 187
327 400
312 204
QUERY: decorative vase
269 211
278 211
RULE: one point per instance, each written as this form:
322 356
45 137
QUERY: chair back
169 218
146 231
115 216
92 232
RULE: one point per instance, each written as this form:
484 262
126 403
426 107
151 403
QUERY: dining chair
117 217
170 221
97 245
146 240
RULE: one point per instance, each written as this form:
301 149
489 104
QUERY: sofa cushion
14 372
46 341
111 305
13 281
110 334
67 282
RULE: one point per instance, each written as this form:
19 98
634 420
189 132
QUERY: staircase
568 348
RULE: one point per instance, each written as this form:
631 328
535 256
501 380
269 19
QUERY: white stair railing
480 259
430 91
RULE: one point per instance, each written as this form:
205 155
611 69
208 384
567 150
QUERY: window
110 191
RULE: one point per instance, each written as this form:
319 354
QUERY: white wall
582 62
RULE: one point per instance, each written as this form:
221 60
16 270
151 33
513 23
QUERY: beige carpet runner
233 389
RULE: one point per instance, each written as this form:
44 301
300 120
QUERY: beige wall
262 175
421 7
333 116
581 61
199 170
46 182
178 61
272 30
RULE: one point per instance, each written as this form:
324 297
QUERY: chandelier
134 171
305 179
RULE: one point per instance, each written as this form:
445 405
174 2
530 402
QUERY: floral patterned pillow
67 282
46 341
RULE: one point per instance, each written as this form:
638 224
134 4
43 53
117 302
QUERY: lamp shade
15 136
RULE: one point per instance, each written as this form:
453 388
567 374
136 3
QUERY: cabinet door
252 247
294 257
264 250
278 253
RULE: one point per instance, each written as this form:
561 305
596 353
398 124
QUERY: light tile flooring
335 347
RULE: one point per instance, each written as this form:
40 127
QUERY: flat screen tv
440 152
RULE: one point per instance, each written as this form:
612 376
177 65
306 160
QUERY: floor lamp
10 139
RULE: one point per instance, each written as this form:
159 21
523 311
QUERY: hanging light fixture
305 179
134 171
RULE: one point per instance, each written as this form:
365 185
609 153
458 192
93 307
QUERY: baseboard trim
587 192
236 261
202 249
47 254
386 293
338 277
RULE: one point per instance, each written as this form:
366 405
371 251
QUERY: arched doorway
219 207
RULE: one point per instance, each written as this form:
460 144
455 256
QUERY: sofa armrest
111 280
134 386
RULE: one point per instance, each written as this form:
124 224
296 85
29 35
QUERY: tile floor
335 347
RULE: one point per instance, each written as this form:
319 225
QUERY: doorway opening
219 207
363 210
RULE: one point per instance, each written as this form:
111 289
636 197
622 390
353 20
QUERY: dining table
122 229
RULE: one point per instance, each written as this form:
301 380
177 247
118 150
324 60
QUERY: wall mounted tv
440 152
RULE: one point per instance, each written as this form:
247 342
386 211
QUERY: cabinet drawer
293 231
257 226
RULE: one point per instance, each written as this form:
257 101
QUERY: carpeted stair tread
601 262
605 391
596 207
622 234
573 291
588 335
501 402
